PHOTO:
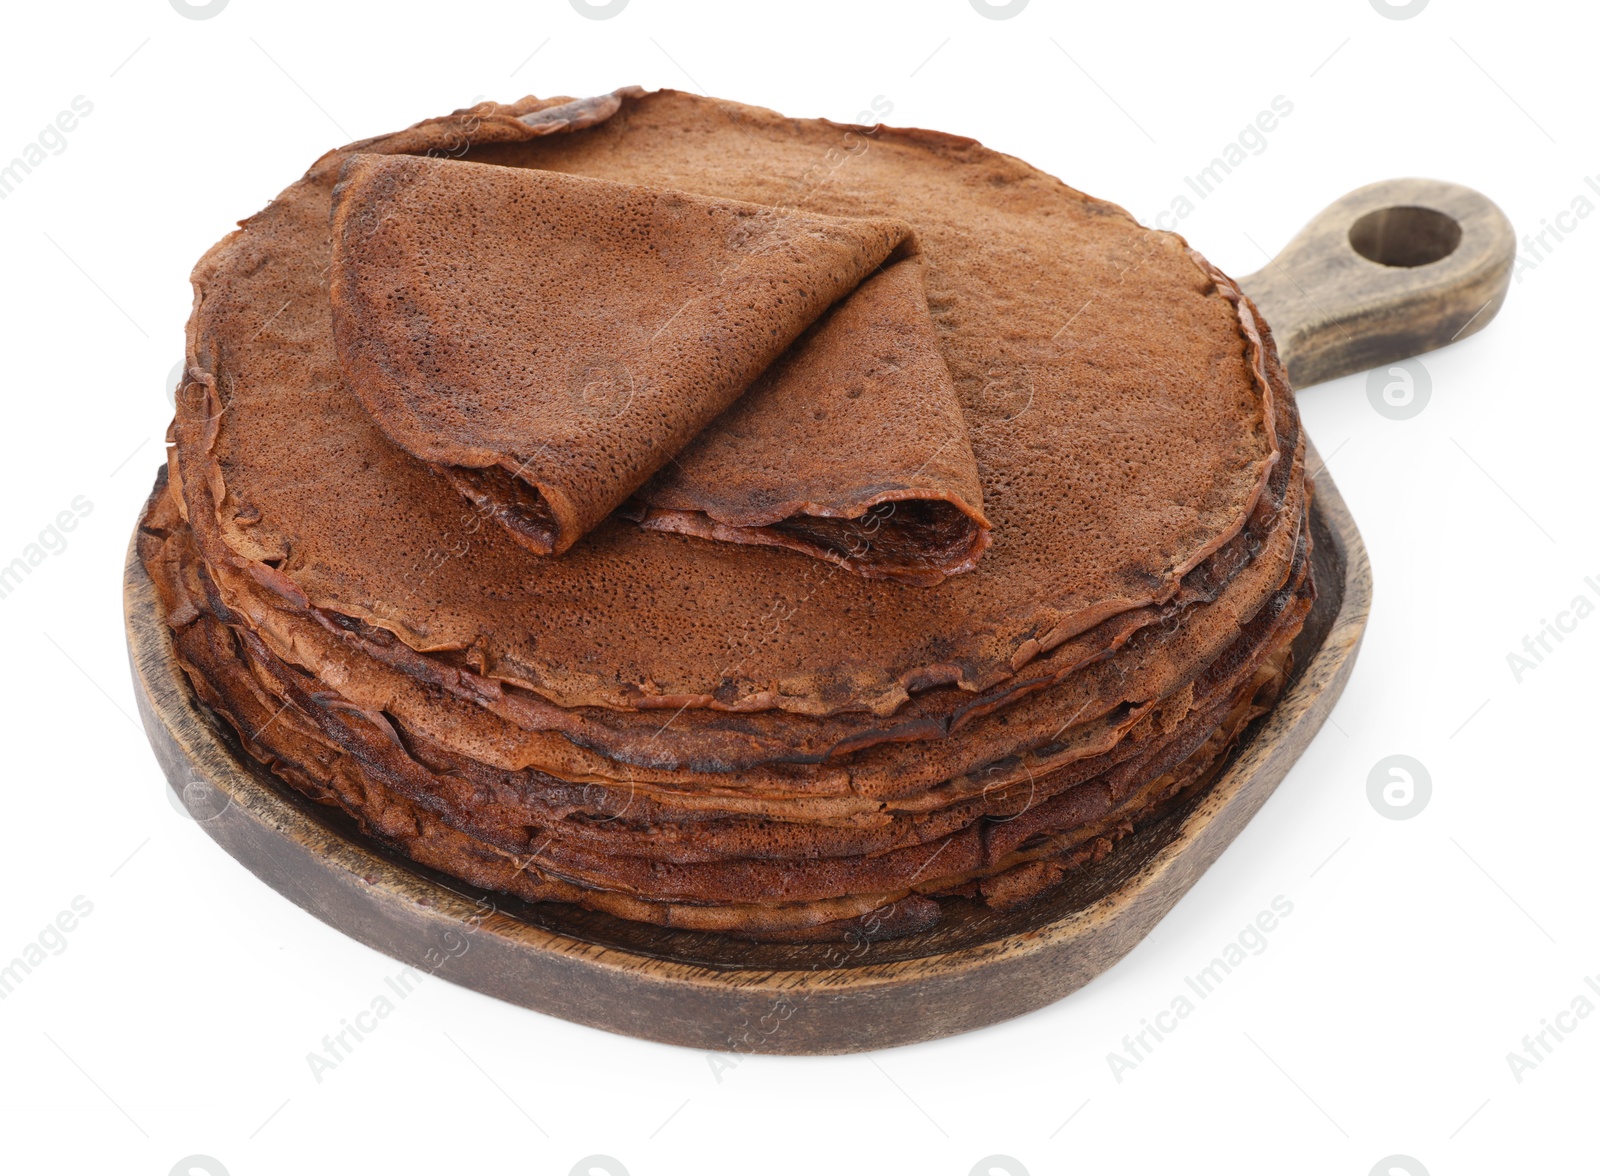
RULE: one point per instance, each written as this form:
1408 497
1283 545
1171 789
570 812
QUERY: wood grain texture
974 968
1389 271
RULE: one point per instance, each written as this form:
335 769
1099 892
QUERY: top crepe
474 324
1119 415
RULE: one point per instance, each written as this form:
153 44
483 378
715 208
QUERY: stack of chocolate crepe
725 521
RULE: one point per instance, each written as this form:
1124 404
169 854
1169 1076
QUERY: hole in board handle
1405 235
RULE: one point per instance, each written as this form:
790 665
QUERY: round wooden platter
975 966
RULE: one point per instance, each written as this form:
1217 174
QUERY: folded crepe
476 321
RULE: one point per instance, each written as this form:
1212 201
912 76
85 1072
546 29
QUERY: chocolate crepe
530 835
472 321
730 735
1139 446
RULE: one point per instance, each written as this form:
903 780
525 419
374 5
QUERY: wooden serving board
1334 310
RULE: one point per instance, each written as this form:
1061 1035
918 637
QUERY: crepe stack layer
725 521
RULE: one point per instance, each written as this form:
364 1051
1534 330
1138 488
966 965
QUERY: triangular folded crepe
851 448
477 323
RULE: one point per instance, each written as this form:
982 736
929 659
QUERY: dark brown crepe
551 341
733 736
1113 385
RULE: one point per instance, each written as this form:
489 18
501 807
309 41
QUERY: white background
178 1017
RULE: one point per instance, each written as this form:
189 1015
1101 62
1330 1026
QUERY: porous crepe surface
718 874
1119 444
477 329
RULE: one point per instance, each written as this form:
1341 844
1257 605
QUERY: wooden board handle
1389 271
